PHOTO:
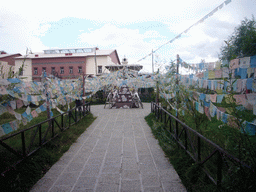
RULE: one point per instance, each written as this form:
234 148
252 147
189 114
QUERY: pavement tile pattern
116 153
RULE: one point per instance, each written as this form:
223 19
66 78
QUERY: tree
242 42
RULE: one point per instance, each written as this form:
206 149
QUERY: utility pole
152 61
157 88
83 92
95 61
177 82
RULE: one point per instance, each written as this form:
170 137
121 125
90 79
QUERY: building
7 63
67 63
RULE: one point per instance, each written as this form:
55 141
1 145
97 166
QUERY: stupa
124 96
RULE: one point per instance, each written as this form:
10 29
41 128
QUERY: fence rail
215 161
16 147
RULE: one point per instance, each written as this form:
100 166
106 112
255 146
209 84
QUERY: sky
134 28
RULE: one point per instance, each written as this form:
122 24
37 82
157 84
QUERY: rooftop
74 52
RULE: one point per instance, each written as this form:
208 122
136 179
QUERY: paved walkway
116 153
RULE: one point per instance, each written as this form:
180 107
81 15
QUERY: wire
200 21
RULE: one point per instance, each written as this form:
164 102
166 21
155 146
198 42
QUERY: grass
192 176
235 178
28 172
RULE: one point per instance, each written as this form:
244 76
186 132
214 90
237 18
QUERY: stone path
116 153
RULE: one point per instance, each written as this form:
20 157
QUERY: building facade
67 63
7 63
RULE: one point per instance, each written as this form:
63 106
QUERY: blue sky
133 28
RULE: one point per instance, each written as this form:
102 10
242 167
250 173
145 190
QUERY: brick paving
116 153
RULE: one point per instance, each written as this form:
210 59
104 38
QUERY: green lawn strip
191 175
34 167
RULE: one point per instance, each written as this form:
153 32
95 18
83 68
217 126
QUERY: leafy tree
242 42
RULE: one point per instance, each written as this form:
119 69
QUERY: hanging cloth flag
206 111
18 116
196 105
4 82
225 72
14 125
13 104
7 128
217 65
34 114
2 109
253 62
3 90
250 128
224 117
10 110
38 110
200 108
234 86
243 72
207 97
233 64
254 85
19 103
218 73
14 80
42 108
28 110
202 97
211 75
213 98
249 83
24 121
219 98
239 85
240 99
245 62
1 131
251 98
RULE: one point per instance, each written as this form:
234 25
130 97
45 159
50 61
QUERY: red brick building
9 58
68 63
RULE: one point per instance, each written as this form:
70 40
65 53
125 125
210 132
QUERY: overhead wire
185 31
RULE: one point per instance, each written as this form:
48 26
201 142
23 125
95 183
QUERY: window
61 70
53 70
71 70
43 70
99 69
80 70
35 71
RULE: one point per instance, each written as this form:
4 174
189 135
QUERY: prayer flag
34 114
7 128
1 131
253 62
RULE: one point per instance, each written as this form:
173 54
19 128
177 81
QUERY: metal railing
16 147
215 161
